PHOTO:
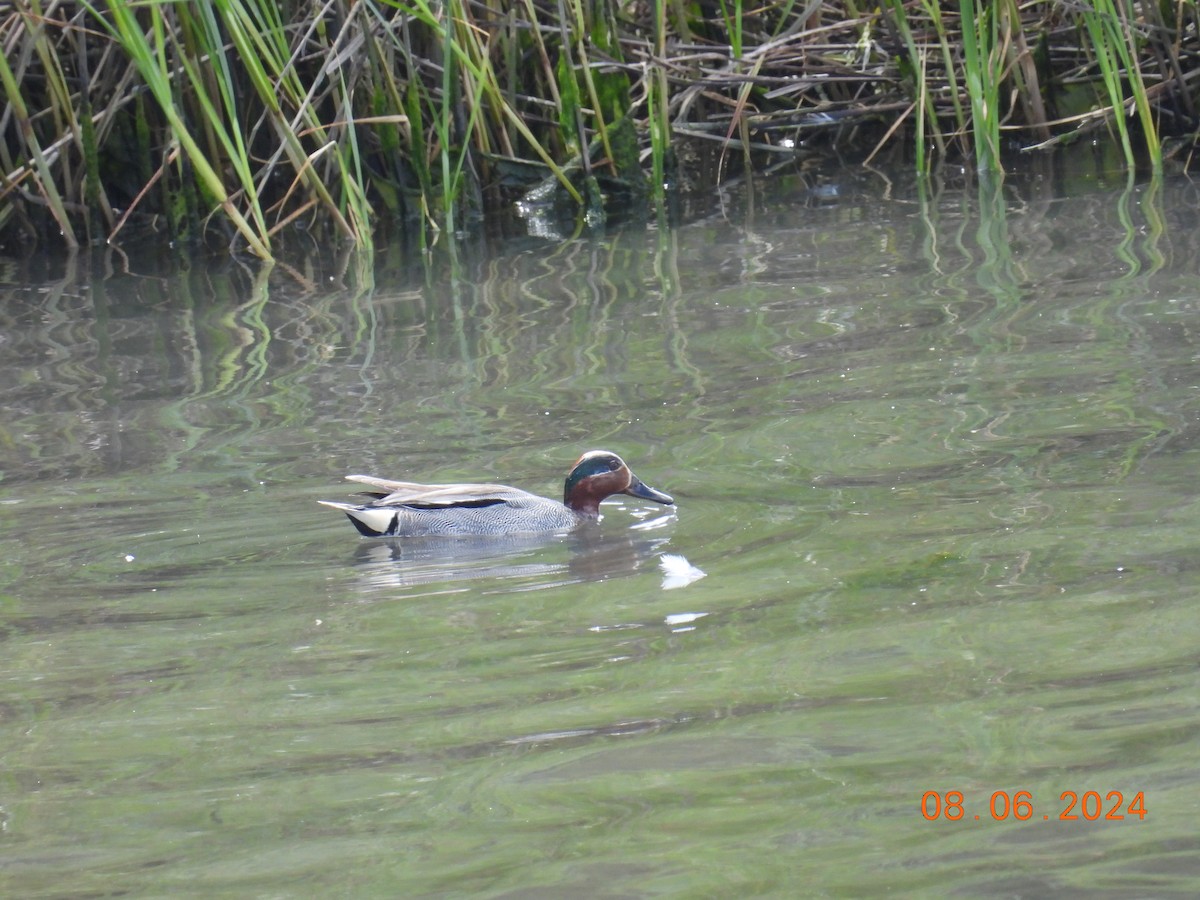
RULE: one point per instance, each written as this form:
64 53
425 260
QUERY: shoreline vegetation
233 121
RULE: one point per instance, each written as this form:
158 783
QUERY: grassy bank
233 120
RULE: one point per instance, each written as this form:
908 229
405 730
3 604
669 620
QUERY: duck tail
370 521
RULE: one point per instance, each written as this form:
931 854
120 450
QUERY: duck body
406 509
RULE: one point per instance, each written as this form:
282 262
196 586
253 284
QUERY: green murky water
937 457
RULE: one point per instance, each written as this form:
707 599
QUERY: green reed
916 72
982 73
658 101
147 49
734 26
39 166
1114 46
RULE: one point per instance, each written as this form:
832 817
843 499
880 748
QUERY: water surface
935 453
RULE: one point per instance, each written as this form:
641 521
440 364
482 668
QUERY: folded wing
438 496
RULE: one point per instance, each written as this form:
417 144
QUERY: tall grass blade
659 106
982 74
1124 40
41 166
1104 45
259 37
151 62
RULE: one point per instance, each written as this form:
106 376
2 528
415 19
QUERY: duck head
599 474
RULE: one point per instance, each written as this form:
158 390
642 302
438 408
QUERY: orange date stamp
1002 806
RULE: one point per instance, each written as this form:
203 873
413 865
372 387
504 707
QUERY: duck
407 509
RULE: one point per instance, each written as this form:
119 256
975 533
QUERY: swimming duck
403 508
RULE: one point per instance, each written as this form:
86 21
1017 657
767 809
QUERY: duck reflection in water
542 560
